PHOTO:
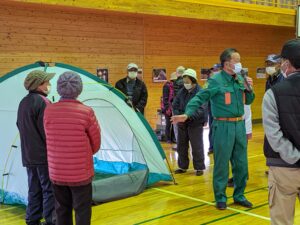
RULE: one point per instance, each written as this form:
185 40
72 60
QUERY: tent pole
173 178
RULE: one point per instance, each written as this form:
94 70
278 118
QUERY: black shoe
244 203
178 171
230 182
199 172
210 151
221 205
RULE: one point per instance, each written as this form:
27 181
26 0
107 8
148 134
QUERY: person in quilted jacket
72 136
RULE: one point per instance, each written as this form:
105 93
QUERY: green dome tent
130 158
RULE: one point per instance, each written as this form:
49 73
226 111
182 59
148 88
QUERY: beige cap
173 76
132 65
180 70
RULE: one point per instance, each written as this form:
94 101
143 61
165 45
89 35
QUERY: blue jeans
40 195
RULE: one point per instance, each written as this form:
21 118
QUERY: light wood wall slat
91 39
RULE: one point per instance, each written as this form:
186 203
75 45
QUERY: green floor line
169 214
10 208
233 214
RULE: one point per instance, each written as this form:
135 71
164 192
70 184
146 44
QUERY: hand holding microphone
248 83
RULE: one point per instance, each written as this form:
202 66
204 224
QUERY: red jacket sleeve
93 132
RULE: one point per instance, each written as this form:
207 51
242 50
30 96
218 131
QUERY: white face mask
283 72
132 74
237 68
188 86
270 70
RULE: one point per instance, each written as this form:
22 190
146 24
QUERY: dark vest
287 96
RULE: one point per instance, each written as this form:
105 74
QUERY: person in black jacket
192 129
178 84
33 147
273 71
133 88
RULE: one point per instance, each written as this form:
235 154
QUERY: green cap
35 78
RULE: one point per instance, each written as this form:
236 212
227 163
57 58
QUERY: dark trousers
77 197
40 195
169 131
194 134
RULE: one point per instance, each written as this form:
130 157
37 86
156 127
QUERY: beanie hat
69 85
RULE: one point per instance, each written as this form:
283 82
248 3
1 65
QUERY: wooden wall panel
221 10
196 44
90 39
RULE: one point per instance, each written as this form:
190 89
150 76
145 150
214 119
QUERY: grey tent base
119 186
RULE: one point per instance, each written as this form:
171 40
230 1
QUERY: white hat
132 65
173 76
190 73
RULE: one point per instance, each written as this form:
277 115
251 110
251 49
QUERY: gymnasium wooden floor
190 202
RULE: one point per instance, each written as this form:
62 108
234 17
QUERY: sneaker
178 171
230 182
244 203
199 172
221 205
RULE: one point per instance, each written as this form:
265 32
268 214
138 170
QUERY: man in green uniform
228 91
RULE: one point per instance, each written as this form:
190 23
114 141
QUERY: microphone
244 74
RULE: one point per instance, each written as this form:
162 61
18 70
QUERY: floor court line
186 209
233 214
212 204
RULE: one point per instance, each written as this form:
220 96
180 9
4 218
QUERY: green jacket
226 94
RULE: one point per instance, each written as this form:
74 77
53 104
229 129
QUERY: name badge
227 98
